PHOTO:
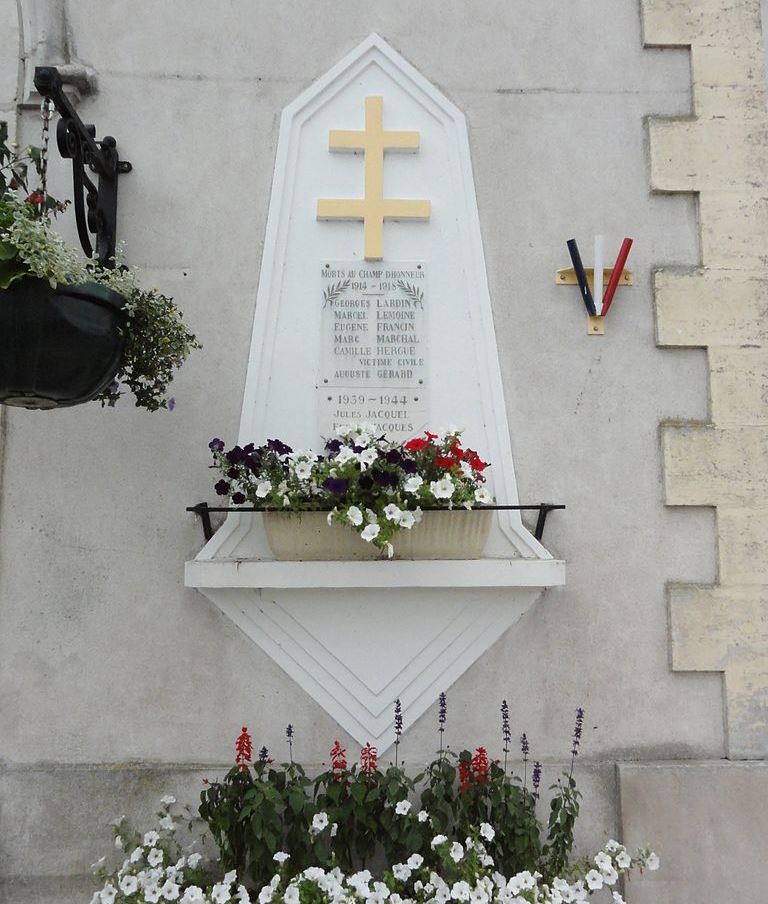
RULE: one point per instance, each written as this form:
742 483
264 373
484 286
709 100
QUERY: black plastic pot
58 347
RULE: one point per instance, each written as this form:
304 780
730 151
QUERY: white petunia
367 457
403 807
594 880
136 855
371 517
487 831
129 885
438 839
344 455
460 891
281 856
314 872
170 890
193 895
652 862
406 520
617 898
414 861
392 512
354 515
230 877
319 821
155 857
483 496
412 484
610 876
456 851
422 816
370 532
167 823
118 841
263 487
443 488
151 839
303 470
168 800
623 860
612 846
107 894
291 895
152 893
603 861
401 872
265 895
194 860
242 895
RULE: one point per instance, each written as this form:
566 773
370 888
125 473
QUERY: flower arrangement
284 838
157 341
374 485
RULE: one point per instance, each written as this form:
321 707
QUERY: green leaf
8 251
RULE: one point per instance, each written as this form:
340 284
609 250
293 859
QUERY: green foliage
564 810
157 341
255 812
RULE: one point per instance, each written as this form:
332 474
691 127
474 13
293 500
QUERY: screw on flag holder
592 281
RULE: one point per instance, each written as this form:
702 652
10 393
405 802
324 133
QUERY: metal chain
46 109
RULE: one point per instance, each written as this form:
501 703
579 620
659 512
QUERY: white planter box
456 534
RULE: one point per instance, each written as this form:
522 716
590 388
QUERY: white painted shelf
266 574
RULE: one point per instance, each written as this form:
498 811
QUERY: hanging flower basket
74 329
307 536
58 347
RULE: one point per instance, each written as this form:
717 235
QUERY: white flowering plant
364 481
157 868
457 872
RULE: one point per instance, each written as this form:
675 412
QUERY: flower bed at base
284 838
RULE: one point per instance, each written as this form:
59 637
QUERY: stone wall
118 683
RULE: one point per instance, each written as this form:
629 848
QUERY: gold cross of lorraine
373 208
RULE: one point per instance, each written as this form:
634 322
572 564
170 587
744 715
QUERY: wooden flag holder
567 277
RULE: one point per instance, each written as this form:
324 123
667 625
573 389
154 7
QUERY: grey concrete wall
105 658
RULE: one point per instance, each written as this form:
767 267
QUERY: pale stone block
743 544
732 226
709 465
707 821
728 79
739 386
711 307
678 23
726 629
699 154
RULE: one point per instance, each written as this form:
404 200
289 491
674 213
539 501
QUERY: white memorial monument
373 306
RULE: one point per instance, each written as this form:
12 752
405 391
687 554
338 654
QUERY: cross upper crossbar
373 208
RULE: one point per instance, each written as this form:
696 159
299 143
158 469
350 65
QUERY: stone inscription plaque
375 360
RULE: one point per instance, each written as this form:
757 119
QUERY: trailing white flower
443 488
403 807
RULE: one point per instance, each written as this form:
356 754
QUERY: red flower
445 462
338 760
369 759
243 750
36 197
430 436
476 463
415 445
465 775
480 765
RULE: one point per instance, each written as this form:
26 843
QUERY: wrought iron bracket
203 511
95 206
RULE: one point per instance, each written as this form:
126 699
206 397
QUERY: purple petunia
336 485
216 445
238 498
222 488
